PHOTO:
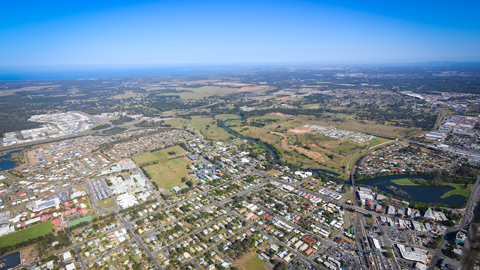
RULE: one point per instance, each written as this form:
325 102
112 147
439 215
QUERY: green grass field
459 190
404 182
80 220
107 203
169 173
24 235
199 123
250 261
157 156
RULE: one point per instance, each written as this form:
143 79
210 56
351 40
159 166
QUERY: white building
6 229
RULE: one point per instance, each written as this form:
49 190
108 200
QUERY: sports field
157 156
80 220
250 261
168 174
24 235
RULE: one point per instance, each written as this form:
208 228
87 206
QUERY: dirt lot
299 130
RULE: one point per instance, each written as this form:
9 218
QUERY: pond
7 164
425 194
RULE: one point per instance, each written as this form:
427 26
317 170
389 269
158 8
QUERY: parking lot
100 190
345 252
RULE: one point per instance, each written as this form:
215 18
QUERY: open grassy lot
80 220
80 188
107 203
24 235
459 190
129 94
250 261
404 182
200 92
168 174
158 155
200 123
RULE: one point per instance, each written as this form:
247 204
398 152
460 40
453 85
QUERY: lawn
250 261
459 190
24 235
80 220
107 203
80 188
404 182
168 174
158 155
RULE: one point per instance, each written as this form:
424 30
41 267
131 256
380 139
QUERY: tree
449 223
390 255
280 266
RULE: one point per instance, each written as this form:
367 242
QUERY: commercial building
42 205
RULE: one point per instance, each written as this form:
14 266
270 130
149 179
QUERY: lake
423 194
7 164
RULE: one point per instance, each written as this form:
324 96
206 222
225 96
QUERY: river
7 164
275 156
425 194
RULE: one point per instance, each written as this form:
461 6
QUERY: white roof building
429 214
67 256
70 266
6 229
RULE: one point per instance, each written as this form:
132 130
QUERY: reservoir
425 194
10 261
7 164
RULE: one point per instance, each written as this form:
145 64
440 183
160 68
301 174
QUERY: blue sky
237 32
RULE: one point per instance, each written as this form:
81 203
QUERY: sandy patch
299 130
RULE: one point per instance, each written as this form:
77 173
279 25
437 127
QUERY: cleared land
107 203
404 182
80 188
158 155
24 235
250 261
459 190
80 220
200 92
169 173
200 123
129 94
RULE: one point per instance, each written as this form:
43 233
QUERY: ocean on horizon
75 73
